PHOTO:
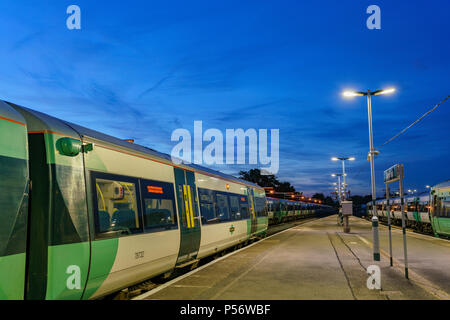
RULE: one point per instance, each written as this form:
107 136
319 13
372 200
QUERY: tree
319 196
255 176
329 201
285 187
360 200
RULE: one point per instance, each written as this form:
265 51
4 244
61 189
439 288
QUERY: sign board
394 173
347 208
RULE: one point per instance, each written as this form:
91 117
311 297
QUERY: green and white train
282 210
427 212
83 214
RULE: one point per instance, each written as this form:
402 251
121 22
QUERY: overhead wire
404 130
415 122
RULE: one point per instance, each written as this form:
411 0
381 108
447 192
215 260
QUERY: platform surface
316 260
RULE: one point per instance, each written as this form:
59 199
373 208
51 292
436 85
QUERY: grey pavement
316 260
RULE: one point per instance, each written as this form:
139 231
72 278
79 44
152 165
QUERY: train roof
423 197
297 202
444 184
11 114
285 200
42 121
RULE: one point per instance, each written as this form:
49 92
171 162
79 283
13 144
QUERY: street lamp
343 159
372 152
339 175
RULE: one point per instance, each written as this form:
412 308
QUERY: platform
316 260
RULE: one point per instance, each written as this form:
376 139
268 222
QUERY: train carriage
105 213
281 210
425 212
440 209
14 183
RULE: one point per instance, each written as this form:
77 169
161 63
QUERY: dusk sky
141 69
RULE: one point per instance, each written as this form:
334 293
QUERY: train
427 212
85 214
284 210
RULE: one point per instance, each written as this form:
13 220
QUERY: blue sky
141 69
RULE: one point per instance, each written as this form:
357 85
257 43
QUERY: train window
243 203
277 206
235 208
207 205
219 207
116 208
158 205
222 207
260 207
208 213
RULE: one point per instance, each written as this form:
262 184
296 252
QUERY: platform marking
167 284
428 286
342 268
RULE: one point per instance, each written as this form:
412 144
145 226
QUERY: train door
14 180
435 213
186 192
253 219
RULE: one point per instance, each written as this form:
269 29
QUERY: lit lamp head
351 93
343 159
385 91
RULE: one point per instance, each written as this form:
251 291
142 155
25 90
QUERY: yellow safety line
190 206
186 206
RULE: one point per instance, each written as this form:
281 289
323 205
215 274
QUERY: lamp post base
346 225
